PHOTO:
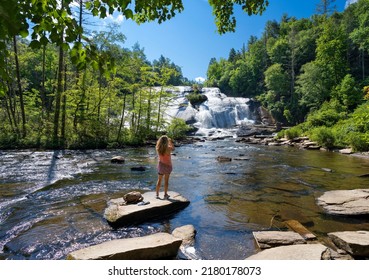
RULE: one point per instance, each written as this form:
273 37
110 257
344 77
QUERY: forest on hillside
310 73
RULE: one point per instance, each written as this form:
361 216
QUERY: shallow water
52 202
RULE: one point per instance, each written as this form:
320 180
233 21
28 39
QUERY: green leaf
65 46
2 91
78 45
54 36
95 12
124 3
64 14
95 65
71 35
35 44
128 13
102 12
44 41
23 33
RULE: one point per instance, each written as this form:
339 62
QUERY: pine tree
326 7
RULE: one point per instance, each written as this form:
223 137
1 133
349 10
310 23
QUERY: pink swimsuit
165 164
166 159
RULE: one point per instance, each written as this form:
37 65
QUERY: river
52 202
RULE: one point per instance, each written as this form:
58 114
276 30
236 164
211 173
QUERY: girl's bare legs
166 185
158 184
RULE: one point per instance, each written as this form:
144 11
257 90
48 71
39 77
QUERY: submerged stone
138 168
223 159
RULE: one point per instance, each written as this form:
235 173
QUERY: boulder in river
345 202
292 252
347 151
187 250
117 159
118 213
187 233
151 247
356 243
268 239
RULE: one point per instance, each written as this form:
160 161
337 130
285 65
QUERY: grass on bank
332 127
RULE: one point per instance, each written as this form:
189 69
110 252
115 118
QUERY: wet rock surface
291 252
118 213
269 239
151 247
286 245
356 243
345 202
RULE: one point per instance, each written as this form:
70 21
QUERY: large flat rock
268 239
292 252
118 214
345 202
356 243
151 247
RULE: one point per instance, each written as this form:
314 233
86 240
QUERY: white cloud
200 79
116 19
349 2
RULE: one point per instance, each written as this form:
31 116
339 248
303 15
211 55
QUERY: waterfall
218 114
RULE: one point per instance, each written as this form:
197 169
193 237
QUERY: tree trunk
80 20
58 95
133 119
20 92
159 110
121 125
64 106
148 117
9 114
99 100
42 93
137 131
59 91
12 109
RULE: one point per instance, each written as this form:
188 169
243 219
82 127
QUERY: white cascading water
217 115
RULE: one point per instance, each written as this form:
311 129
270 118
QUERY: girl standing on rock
164 147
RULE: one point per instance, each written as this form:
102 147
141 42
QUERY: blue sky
190 39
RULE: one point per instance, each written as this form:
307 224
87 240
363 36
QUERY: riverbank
266 135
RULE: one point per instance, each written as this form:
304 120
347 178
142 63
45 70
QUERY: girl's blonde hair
162 145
